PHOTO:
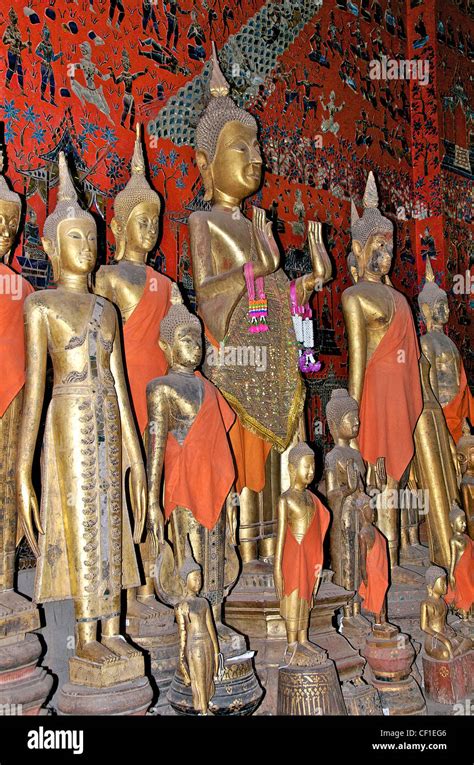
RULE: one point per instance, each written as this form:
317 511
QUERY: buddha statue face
465 455
186 350
194 582
236 170
439 587
140 234
9 222
458 524
440 310
376 257
303 471
76 249
368 511
349 425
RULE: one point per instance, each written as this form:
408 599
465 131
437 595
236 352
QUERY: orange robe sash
373 595
392 400
463 594
302 561
199 473
15 289
460 407
144 358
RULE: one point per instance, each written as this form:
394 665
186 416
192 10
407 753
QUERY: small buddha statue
460 592
15 290
143 297
240 288
344 473
373 567
383 366
302 524
447 374
199 646
441 641
188 423
465 455
85 548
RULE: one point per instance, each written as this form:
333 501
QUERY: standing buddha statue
85 548
143 297
237 278
383 365
461 565
447 373
465 454
14 290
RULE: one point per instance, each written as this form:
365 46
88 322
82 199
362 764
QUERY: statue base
415 555
95 675
24 687
400 697
161 650
447 682
131 698
361 699
238 692
390 656
310 690
23 617
403 600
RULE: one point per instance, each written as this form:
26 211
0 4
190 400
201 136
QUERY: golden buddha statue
85 549
344 473
383 366
461 565
199 648
229 252
441 641
187 441
447 373
465 454
302 524
435 469
14 290
143 296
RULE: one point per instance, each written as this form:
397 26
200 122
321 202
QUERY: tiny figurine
461 566
373 566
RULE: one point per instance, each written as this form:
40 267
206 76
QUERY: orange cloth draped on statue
459 408
250 453
144 358
392 399
373 595
249 450
200 472
14 290
463 594
302 561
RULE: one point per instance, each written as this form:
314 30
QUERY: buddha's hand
28 513
155 527
452 582
322 269
279 585
267 250
184 669
352 473
138 496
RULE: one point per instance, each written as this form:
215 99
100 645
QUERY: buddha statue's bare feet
14 602
96 652
120 647
139 610
400 575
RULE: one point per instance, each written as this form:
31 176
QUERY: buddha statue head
181 338
435 579
10 213
190 571
457 519
432 300
465 449
342 414
301 464
136 220
372 237
69 233
227 149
